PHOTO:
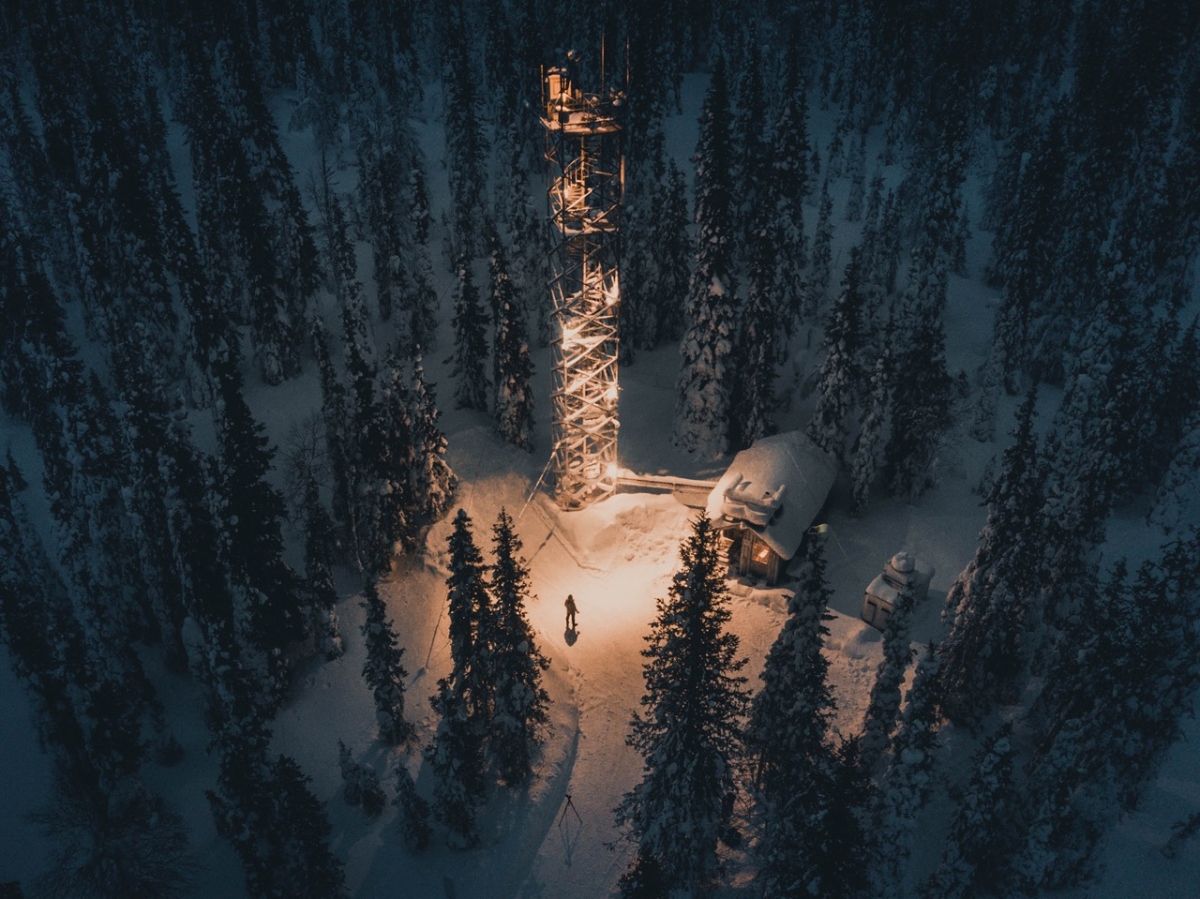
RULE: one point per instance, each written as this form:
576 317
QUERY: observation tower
586 174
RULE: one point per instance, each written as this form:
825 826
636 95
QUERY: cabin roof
775 487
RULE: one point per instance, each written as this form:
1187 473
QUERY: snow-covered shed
766 500
879 601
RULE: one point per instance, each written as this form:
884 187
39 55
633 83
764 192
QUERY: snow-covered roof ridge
776 486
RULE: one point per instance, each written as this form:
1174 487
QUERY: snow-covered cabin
767 499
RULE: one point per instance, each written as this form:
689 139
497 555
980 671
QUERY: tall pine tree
787 737
514 369
688 733
384 670
707 374
470 343
992 604
520 716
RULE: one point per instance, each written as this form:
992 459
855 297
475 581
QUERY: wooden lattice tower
586 175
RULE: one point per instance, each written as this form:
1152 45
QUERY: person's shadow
571 635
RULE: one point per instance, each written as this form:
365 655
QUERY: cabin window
760 559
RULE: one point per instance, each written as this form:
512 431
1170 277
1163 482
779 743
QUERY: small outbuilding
767 499
879 601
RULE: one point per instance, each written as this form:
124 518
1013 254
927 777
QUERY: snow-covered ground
615 558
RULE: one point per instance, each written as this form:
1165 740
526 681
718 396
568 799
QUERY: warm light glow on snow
615 557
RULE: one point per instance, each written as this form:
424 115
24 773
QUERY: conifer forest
288 351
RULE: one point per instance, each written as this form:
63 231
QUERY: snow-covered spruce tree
992 604
471 625
35 338
291 233
148 434
674 254
1058 843
707 374
378 192
758 340
433 483
981 830
983 418
107 141
821 260
33 197
789 152
383 669
465 140
1068 556
192 506
520 223
1029 219
750 160
424 301
390 453
262 807
835 155
320 547
835 867
788 733
122 842
361 440
301 863
921 386
414 811
872 432
645 186
456 757
514 369
520 716
355 318
360 783
335 419
857 173
37 629
962 235
349 768
83 473
1177 499
908 780
884 706
470 343
887 256
689 731
1176 401
268 617
234 223
85 470
1110 711
872 218
1109 402
841 377
789 716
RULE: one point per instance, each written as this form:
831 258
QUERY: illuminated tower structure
586 180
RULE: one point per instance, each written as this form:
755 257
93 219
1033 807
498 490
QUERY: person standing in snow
571 610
